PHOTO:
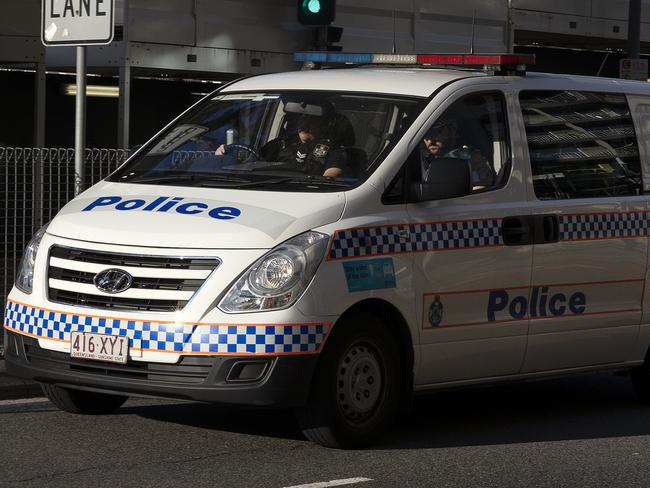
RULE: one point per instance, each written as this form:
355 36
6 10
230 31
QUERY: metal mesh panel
36 183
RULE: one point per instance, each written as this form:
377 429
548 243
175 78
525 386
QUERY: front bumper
271 381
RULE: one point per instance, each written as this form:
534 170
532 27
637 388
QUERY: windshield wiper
302 180
227 181
197 179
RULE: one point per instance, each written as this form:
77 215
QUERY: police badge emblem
435 312
321 150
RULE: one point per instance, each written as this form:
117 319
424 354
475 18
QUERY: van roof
419 82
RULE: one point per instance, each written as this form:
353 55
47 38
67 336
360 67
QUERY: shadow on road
584 407
268 423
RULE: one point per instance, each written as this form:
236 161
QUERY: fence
37 182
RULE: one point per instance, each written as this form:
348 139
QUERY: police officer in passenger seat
313 150
440 142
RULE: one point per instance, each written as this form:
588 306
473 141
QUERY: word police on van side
542 304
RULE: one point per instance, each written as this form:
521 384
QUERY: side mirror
447 178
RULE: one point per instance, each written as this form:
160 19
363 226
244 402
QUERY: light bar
416 59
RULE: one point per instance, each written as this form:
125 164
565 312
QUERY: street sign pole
80 122
88 22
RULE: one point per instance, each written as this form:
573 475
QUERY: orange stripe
607 213
533 318
484 290
578 239
201 324
183 353
414 251
34 335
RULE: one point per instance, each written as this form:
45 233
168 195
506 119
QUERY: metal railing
37 182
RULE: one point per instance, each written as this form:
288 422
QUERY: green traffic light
313 6
316 12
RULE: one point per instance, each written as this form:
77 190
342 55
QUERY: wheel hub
359 382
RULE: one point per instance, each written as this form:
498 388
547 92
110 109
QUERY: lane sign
77 22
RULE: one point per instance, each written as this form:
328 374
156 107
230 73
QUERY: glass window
474 131
581 144
287 141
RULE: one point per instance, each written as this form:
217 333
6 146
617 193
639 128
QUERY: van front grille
159 284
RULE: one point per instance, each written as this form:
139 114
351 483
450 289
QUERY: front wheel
355 392
84 402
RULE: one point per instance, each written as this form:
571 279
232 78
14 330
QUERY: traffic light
316 12
325 37
333 35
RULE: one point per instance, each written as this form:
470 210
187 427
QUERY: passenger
441 142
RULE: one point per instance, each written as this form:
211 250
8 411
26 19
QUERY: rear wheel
355 392
84 402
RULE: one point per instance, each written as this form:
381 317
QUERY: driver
310 151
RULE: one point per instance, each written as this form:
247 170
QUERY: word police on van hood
164 204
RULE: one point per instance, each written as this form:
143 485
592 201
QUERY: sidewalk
13 388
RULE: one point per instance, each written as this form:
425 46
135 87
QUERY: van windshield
282 141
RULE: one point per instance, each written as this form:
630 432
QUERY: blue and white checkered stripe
429 236
603 226
169 337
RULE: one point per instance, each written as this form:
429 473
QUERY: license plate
100 347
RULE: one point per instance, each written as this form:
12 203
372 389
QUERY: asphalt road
574 432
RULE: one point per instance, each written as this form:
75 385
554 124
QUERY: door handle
530 229
551 226
517 231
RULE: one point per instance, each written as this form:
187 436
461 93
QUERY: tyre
83 402
355 390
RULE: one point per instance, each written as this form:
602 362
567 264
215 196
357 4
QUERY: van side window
472 130
581 144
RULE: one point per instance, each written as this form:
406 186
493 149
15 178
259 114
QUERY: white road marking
347 481
23 401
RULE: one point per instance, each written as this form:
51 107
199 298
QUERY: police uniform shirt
314 157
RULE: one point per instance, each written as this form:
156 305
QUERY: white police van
438 227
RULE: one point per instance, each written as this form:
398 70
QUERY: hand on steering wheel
253 155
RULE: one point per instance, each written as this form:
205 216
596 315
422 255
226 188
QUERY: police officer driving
311 150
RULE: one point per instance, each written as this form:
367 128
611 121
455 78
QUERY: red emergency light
477 59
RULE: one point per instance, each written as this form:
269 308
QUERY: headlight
277 279
25 276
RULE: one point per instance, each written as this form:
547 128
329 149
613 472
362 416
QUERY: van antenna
471 45
394 47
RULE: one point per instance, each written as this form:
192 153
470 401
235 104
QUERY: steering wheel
253 155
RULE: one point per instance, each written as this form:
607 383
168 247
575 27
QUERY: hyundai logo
113 281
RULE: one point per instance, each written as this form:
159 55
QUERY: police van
338 240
